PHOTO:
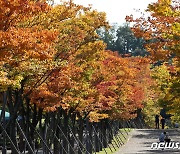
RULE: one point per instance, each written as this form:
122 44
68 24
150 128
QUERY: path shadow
155 133
152 135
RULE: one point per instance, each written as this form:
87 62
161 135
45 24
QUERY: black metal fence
26 129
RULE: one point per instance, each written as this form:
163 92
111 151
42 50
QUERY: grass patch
122 137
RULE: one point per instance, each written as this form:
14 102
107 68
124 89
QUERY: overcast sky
117 10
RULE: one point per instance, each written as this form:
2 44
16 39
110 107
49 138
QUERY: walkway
140 142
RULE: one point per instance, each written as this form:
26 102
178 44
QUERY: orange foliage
79 75
160 29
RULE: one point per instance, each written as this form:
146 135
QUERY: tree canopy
161 30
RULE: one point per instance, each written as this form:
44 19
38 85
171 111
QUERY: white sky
117 10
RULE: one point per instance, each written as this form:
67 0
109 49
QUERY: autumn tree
53 63
161 32
130 76
167 88
25 53
22 49
160 29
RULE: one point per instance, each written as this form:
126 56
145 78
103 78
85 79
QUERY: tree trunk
88 137
80 135
65 133
97 142
104 136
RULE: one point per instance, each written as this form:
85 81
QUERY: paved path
140 141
